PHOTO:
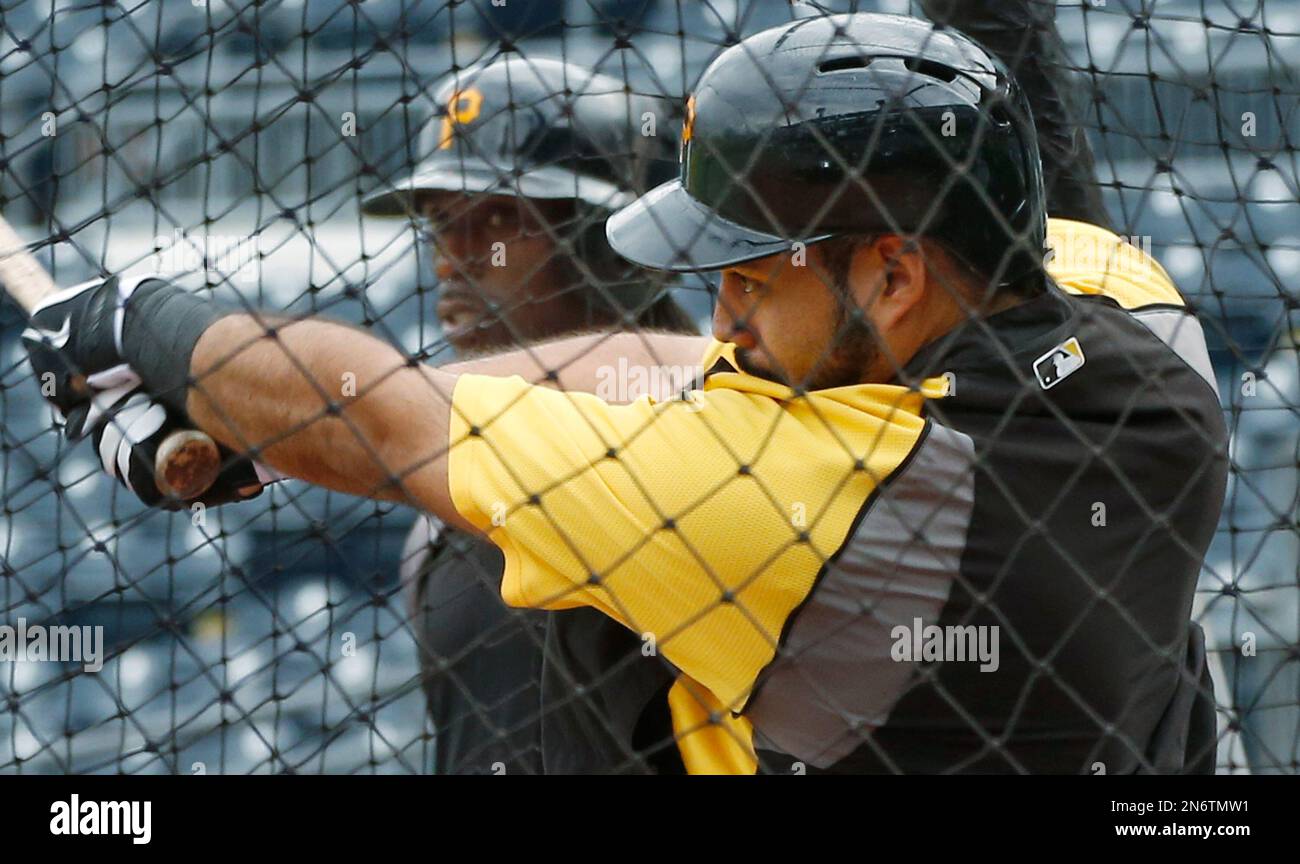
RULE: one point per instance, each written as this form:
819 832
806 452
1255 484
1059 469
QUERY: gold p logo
462 108
689 126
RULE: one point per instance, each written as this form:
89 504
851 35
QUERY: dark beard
845 365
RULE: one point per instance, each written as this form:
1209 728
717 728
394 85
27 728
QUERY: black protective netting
229 144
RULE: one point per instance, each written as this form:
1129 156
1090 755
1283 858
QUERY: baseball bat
187 462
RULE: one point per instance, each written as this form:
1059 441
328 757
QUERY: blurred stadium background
178 120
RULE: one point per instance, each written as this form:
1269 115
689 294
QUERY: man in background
520 259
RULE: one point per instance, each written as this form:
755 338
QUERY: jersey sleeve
700 523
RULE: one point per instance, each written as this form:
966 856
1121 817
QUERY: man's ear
887 276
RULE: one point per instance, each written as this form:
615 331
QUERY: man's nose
443 268
450 251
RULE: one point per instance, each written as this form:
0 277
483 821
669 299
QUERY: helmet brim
474 176
668 229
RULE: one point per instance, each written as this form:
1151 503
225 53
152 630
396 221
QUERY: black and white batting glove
75 342
74 352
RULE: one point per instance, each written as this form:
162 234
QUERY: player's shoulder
1085 259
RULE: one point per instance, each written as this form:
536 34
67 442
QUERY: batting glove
74 342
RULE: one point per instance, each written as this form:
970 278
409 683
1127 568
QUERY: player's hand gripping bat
187 461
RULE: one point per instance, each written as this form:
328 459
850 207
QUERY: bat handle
187 464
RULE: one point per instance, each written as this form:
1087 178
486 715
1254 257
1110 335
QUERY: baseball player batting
932 506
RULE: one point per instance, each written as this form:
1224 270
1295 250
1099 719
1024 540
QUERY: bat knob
187 464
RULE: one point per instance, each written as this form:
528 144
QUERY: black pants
480 661
521 691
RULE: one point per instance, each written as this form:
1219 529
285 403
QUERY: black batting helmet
537 128
848 124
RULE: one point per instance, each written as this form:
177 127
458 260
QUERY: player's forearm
581 363
326 403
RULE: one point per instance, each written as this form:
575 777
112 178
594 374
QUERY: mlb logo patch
1059 363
